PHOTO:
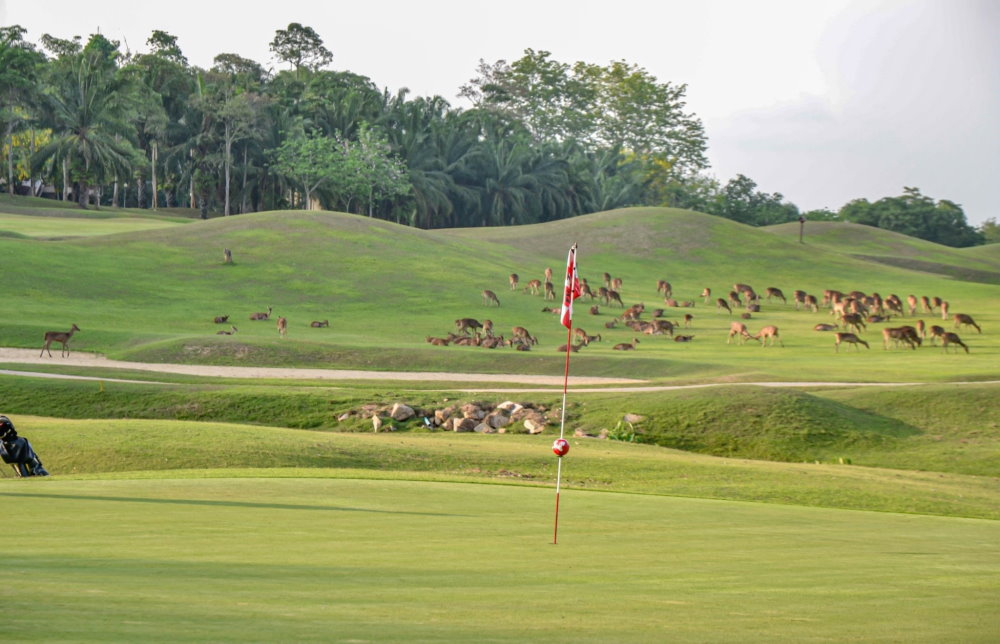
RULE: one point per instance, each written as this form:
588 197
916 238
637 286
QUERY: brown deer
626 346
316 324
261 316
548 274
594 310
911 304
849 338
282 326
62 337
221 319
921 329
616 284
825 327
776 293
570 347
936 332
897 335
438 342
663 286
550 290
683 338
961 319
706 294
513 280
521 333
853 321
607 280
812 304
465 325
944 310
488 328
687 320
734 300
227 256
613 296
489 297
739 330
722 304
769 332
925 304
226 332
952 338
533 286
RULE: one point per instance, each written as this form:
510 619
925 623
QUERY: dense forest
541 140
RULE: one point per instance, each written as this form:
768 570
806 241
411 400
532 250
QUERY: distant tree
19 62
821 214
740 201
301 47
916 215
990 231
310 161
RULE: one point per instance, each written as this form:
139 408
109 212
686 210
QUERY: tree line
542 140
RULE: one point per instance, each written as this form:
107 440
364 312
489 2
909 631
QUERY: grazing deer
849 338
616 284
221 319
812 303
316 324
734 300
513 280
722 304
936 302
921 328
488 328
769 332
626 346
227 256
607 280
911 304
226 332
739 330
550 291
62 337
799 298
963 319
825 327
952 338
776 293
282 327
533 286
585 289
548 274
465 325
897 335
925 304
613 296
261 316
489 297
853 321
663 286
683 338
936 332
521 333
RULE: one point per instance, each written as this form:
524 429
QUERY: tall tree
19 62
301 47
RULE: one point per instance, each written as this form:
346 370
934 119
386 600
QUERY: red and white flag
572 289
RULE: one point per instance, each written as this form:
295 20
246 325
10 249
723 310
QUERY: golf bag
17 451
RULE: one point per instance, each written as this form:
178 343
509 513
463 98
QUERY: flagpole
570 292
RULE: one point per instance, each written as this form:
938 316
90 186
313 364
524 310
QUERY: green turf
347 560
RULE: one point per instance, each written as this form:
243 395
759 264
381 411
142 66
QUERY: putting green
368 560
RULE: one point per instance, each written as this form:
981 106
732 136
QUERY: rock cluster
485 418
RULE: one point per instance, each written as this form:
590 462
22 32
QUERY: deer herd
853 313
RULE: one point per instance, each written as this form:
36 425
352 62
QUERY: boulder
471 410
534 425
484 428
464 424
402 412
633 418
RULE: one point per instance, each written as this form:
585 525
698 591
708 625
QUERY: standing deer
739 330
722 304
533 286
952 338
768 333
775 293
61 337
489 297
282 327
550 291
261 316
944 310
227 256
616 284
614 296
513 280
466 324
849 338
548 274
663 286
963 319
706 293
520 333
911 304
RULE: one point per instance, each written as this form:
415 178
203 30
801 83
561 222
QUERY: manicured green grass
266 559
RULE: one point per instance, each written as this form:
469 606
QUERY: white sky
823 101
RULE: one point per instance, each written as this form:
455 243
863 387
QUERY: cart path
521 383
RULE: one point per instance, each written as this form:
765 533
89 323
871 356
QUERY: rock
441 415
498 419
470 410
484 428
344 416
534 425
465 424
633 418
510 407
604 434
376 423
579 433
402 412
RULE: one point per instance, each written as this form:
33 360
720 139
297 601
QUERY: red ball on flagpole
560 447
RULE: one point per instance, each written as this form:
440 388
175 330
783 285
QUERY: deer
825 327
687 320
952 338
594 310
739 330
570 347
722 304
317 324
221 319
626 346
521 333
614 296
936 332
494 342
911 304
550 291
489 297
513 279
683 338
607 280
548 274
944 310
769 332
849 338
966 320
812 304
925 304
616 284
261 316
227 256
62 337
488 328
465 325
224 332
282 327
663 286
438 342
853 320
921 328
897 335
776 293
734 300
533 286
706 294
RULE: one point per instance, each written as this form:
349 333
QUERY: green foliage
301 47
915 215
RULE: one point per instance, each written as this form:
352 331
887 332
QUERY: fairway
325 559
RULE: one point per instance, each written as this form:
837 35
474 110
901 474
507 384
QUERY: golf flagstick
571 291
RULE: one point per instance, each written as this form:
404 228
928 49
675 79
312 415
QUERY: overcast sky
822 101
